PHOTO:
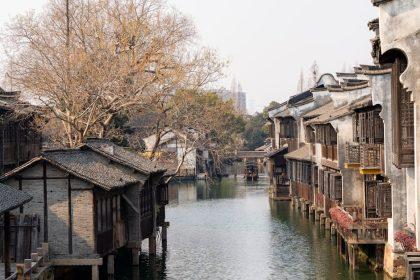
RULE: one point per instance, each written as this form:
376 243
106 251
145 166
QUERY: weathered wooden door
24 236
370 201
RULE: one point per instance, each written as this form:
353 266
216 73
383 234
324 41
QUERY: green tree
256 131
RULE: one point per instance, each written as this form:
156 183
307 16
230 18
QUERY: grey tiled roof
91 167
11 198
86 165
304 153
123 156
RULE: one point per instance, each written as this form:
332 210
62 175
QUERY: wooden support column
152 245
135 257
165 236
152 239
6 246
44 178
379 255
70 228
95 272
110 267
20 188
317 215
355 257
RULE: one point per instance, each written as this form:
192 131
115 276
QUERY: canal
232 231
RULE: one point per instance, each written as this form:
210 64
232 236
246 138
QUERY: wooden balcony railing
371 159
360 231
352 156
35 266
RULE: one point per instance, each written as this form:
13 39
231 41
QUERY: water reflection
232 231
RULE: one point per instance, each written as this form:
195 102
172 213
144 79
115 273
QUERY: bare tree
88 60
201 120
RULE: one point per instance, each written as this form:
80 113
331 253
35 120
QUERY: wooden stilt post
152 245
95 272
135 256
6 246
355 257
165 236
110 267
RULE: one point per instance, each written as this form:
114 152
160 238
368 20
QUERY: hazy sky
268 42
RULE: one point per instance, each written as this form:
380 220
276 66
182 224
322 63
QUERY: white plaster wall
399 22
381 94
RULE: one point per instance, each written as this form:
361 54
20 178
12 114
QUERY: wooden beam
130 204
70 229
76 262
29 178
6 248
20 188
44 177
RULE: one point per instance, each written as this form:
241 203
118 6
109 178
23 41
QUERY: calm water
233 231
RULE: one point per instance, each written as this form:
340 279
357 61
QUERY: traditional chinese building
20 141
92 201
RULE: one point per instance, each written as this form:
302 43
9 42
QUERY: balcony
352 156
371 159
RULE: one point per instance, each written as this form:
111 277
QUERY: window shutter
321 181
338 188
370 198
402 119
355 127
328 135
362 127
378 128
384 200
370 128
333 136
327 184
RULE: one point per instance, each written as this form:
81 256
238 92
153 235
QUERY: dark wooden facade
279 180
19 140
326 135
288 128
402 118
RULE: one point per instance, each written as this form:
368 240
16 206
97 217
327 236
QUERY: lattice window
370 189
355 127
403 120
321 181
384 200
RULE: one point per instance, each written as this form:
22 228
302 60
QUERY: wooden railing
352 155
371 157
32 266
365 230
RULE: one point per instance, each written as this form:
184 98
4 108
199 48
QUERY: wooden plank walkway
12 266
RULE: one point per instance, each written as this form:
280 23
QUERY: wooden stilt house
10 199
91 201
